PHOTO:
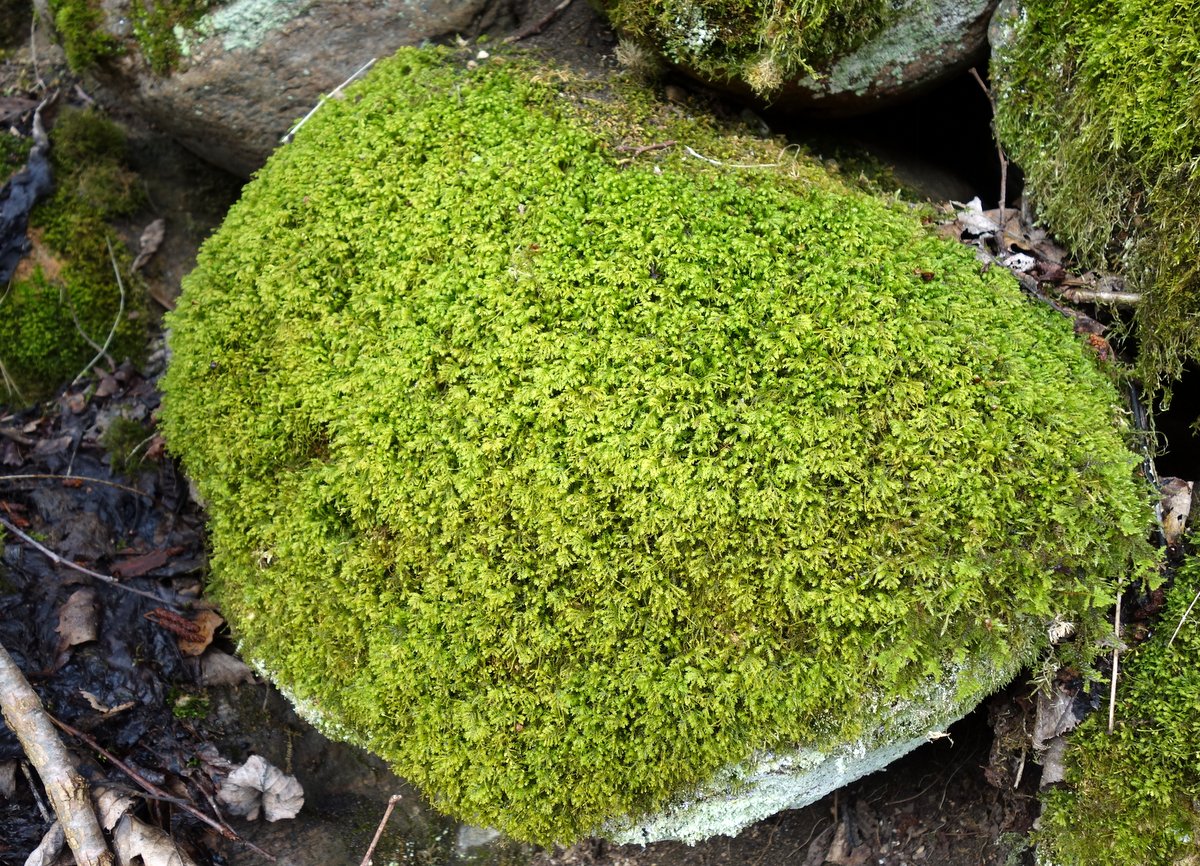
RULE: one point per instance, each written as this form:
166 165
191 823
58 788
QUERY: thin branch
1086 296
540 25
387 813
635 152
1183 619
1116 658
116 321
718 162
66 563
157 792
987 91
291 133
36 476
66 788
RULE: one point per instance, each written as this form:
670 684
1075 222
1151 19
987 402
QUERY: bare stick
68 792
1183 619
539 26
987 91
36 476
157 792
66 563
116 321
387 813
1085 296
1112 692
291 133
718 162
645 148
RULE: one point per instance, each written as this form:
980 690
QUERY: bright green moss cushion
561 477
1099 101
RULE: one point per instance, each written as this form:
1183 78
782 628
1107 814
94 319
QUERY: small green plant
125 441
60 307
1097 102
188 705
1134 795
563 478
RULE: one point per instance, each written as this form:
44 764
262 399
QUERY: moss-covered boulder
833 56
1098 104
566 452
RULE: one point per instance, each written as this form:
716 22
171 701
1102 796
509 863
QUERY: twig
116 321
635 152
539 26
58 560
1112 691
718 162
1085 296
36 476
1020 771
37 797
158 793
387 813
291 133
68 792
1183 619
987 91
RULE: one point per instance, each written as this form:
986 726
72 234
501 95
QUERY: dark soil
123 508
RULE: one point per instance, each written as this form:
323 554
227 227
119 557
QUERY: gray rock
925 43
250 69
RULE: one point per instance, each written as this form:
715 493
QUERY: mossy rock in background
834 56
1133 796
1098 104
64 298
565 476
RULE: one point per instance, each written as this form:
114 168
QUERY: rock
244 73
920 43
567 452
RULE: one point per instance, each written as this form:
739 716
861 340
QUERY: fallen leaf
1176 506
148 244
194 635
259 785
1055 716
98 705
107 387
136 566
111 804
134 839
222 669
8 779
77 622
973 220
47 851
1053 769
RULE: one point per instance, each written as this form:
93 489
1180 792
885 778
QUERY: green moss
562 478
1098 103
80 26
74 288
155 23
758 42
124 440
1134 796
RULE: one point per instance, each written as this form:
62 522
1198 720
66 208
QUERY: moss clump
81 27
1134 796
761 43
562 478
70 286
1097 102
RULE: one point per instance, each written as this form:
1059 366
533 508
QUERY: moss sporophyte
563 479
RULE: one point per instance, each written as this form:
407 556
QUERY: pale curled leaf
47 851
77 619
222 669
1176 506
259 785
139 844
148 244
112 804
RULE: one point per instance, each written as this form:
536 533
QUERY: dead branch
66 563
157 792
333 94
68 792
1087 296
1183 618
387 813
1116 659
987 91
85 479
540 25
645 148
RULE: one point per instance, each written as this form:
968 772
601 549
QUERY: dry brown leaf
139 844
77 621
1176 506
207 621
151 240
112 804
222 669
258 785
100 707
